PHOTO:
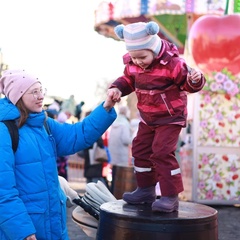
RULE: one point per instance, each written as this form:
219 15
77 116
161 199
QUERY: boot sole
136 203
167 210
140 202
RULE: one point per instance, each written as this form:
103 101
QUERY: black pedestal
122 221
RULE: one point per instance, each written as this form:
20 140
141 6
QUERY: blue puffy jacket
31 200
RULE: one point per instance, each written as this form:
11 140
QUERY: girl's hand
113 96
31 237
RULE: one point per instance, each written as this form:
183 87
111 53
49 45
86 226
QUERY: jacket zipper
162 96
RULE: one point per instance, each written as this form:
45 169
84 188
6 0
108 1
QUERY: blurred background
72 47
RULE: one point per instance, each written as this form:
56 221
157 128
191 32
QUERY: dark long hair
23 112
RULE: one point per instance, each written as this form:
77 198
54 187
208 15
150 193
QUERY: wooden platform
122 221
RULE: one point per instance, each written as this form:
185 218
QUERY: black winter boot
140 196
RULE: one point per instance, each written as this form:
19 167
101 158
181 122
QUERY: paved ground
228 222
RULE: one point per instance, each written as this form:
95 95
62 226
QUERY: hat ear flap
152 28
119 31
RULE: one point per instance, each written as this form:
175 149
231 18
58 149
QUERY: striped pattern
136 37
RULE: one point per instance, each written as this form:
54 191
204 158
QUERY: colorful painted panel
218 177
218 142
219 120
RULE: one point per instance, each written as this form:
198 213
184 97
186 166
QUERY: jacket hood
168 47
8 111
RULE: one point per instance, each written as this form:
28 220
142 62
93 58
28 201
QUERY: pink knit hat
14 83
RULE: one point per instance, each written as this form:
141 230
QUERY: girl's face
142 58
33 98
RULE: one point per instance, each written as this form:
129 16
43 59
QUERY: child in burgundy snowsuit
161 80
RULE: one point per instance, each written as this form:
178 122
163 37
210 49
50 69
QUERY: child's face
142 58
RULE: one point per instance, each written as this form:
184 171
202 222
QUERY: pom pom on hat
14 83
139 36
119 31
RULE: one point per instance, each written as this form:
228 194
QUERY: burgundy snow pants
153 150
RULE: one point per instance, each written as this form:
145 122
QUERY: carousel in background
174 17
207 35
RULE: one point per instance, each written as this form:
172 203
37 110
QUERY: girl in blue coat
32 204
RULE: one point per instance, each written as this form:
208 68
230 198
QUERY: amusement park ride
208 33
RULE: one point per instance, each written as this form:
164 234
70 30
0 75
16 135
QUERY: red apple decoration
214 42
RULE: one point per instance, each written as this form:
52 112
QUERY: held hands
31 237
113 96
195 76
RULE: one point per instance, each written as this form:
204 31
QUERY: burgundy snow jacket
161 89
